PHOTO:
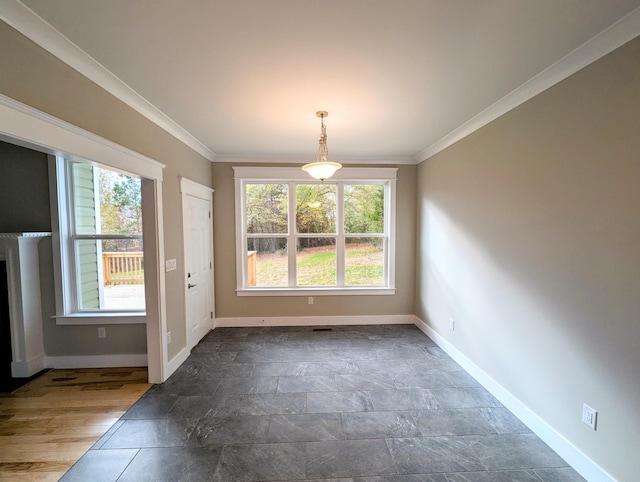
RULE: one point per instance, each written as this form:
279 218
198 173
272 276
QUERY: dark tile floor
352 403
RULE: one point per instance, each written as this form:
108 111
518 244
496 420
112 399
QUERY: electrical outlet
589 416
102 332
452 324
310 300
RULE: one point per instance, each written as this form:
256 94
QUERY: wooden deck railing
251 265
123 268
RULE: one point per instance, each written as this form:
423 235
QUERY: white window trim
244 175
65 277
102 318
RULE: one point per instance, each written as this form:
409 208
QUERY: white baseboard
563 447
176 361
316 320
112 361
97 361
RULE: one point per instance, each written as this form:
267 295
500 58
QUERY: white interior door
198 267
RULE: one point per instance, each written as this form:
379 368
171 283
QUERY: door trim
194 189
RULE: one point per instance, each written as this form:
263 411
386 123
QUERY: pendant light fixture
322 169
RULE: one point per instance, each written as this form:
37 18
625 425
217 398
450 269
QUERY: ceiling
401 79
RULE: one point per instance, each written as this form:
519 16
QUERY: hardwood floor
47 425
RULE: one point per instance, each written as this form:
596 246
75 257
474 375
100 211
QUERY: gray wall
33 76
24 190
230 305
529 237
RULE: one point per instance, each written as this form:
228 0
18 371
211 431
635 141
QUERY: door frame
28 127
194 189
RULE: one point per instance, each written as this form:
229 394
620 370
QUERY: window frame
65 270
293 176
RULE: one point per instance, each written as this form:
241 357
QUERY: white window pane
266 208
88 265
120 203
105 201
110 275
267 263
364 262
316 208
84 199
364 208
316 261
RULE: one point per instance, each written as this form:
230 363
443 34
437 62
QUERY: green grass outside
317 267
318 260
363 275
272 272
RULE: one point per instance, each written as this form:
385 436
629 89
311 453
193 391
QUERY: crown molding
621 32
27 22
256 159
32 26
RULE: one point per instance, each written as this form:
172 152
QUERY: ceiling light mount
323 168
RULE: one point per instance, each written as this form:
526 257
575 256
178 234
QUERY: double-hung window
300 236
101 266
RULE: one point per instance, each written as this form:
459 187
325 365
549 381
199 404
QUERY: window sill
359 291
119 318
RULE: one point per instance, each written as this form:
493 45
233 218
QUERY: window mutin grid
334 238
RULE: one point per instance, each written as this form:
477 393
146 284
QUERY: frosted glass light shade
321 170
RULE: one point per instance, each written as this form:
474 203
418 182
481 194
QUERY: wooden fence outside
123 268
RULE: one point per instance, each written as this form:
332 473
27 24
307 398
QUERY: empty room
350 240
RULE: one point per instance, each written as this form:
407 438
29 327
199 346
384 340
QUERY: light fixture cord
323 152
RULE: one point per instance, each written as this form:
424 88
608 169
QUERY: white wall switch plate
170 265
